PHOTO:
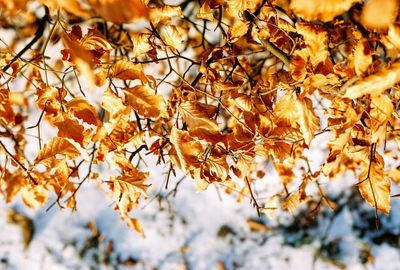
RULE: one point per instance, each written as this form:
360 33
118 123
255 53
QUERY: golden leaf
120 11
187 148
375 83
126 70
374 186
205 12
296 198
112 104
95 41
198 115
362 57
71 6
172 36
81 57
237 30
34 197
136 225
381 110
394 175
144 100
237 7
164 14
298 110
69 127
81 109
379 14
141 44
61 146
6 112
324 10
127 190
215 168
308 121
316 40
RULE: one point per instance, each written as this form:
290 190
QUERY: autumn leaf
386 9
375 83
362 57
172 36
61 146
126 70
146 102
374 186
198 115
120 11
324 10
164 14
188 149
298 111
237 30
141 44
81 109
6 112
380 113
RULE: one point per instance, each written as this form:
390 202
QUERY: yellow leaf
374 186
196 115
394 174
69 127
381 110
141 45
112 104
164 14
81 109
316 40
375 83
205 12
144 100
126 70
187 148
298 110
172 36
6 112
62 146
308 121
136 225
362 57
81 57
34 197
120 11
237 30
324 10
387 10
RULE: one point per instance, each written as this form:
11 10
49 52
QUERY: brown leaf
380 113
120 11
146 102
164 14
387 10
81 109
58 145
375 83
374 186
324 10
187 148
126 70
6 112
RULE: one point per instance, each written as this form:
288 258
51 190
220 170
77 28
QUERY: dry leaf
144 100
324 10
374 186
375 83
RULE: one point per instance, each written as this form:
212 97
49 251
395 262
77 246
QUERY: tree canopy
216 89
